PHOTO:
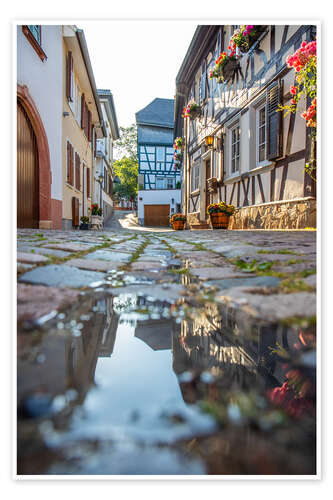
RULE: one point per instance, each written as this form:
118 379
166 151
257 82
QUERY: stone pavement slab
93 265
259 281
71 247
210 273
61 276
273 307
36 301
109 255
31 258
43 251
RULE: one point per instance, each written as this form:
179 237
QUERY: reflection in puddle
133 385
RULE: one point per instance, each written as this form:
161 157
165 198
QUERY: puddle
137 384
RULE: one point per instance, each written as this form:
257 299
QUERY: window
160 153
195 176
77 172
33 32
70 164
88 182
170 183
235 142
261 134
159 182
36 31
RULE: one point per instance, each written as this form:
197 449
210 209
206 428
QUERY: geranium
190 110
244 37
221 61
177 217
178 143
304 61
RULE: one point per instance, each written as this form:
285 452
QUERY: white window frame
231 131
159 178
172 179
195 176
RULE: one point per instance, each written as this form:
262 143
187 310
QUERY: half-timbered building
257 157
159 181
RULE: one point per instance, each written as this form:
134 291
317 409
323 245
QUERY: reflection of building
159 182
156 333
110 326
237 358
70 360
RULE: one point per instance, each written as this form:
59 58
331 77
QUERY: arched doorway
31 121
27 172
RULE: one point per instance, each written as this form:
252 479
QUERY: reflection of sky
135 387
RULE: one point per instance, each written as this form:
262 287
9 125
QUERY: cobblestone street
229 310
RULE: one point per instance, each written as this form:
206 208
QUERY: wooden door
75 212
208 176
157 215
27 172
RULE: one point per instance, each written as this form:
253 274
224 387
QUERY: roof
110 110
160 113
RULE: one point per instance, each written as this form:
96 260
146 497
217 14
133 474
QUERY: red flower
293 90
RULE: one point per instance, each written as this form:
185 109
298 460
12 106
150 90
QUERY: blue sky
137 60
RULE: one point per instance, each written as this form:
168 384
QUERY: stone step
203 225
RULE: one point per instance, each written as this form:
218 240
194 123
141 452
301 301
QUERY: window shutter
88 182
69 77
68 173
273 121
82 110
89 126
95 143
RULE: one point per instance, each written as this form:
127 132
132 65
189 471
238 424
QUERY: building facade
159 180
82 126
104 175
39 132
257 160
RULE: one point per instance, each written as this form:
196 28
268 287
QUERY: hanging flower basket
178 143
178 160
225 67
245 37
192 110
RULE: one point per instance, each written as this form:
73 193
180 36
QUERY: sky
137 60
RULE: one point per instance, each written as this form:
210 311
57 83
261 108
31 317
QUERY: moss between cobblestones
52 259
135 255
294 285
282 252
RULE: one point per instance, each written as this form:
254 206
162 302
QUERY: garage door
157 215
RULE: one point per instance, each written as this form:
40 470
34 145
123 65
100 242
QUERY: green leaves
126 170
252 267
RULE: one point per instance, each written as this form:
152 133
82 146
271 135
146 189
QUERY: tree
126 170
127 144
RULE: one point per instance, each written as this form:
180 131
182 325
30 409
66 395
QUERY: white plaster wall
44 81
158 197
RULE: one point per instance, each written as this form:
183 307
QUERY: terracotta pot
178 225
219 220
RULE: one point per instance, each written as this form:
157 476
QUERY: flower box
219 220
245 37
178 225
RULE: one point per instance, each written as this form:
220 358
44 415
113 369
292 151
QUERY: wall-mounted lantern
209 139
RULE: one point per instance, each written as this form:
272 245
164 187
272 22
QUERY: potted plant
225 67
178 143
192 110
177 221
84 223
178 159
245 37
96 215
219 214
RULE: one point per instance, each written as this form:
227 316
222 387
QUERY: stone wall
291 214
